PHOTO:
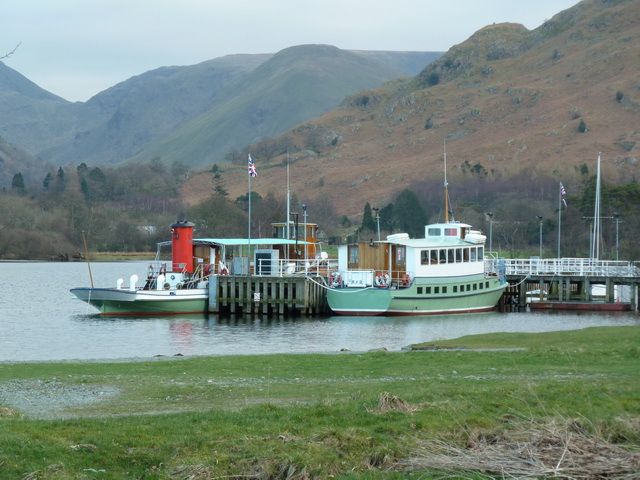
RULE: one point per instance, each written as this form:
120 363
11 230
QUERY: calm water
41 320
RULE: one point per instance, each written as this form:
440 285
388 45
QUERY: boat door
398 262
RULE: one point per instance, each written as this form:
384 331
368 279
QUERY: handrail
567 267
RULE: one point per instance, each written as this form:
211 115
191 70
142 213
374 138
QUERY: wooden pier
568 284
268 295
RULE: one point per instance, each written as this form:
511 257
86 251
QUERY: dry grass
558 448
391 403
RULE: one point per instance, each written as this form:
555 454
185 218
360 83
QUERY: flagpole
288 207
559 215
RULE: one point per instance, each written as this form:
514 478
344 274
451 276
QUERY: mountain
31 117
14 160
149 106
294 85
406 63
507 101
137 116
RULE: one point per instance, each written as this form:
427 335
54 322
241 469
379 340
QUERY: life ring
406 280
224 270
381 280
335 280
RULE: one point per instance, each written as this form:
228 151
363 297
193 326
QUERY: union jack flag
252 168
563 192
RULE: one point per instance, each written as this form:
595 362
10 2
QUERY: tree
46 183
582 127
368 222
17 184
410 217
218 182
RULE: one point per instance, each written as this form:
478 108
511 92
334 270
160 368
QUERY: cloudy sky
77 48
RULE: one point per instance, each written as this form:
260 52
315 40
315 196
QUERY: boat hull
420 297
118 302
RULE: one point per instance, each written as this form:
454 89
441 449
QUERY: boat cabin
447 249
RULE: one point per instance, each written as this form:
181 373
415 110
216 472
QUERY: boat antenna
446 185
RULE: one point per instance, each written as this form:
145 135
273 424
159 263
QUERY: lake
42 321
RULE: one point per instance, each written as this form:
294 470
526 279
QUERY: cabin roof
232 242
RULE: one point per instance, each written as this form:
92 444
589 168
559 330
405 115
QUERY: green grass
208 417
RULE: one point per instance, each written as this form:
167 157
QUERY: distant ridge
507 100
140 116
296 84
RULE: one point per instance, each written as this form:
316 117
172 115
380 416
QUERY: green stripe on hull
142 307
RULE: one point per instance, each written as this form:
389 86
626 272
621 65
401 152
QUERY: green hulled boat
444 272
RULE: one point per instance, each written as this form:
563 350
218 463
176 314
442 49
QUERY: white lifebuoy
335 280
224 271
406 280
382 280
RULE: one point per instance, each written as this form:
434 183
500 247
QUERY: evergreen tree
410 217
46 183
17 184
368 222
218 182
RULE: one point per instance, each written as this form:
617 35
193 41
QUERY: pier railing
566 267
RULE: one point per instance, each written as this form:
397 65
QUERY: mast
595 244
288 206
446 191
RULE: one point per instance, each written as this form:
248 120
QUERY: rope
520 282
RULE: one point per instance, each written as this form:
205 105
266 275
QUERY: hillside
14 160
149 106
123 120
294 85
507 100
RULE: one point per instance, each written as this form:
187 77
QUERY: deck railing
565 267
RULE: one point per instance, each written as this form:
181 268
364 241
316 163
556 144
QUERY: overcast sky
77 48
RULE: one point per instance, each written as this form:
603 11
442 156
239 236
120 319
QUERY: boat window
486 284
400 255
427 289
436 289
450 255
468 287
466 254
434 257
424 257
480 254
475 286
419 290
443 256
353 254
451 232
473 254
444 289
433 232
458 255
455 289
481 285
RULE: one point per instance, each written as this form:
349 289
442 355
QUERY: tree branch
8 54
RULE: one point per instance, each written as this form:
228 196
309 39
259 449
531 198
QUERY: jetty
569 284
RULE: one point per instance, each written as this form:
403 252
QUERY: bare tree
8 54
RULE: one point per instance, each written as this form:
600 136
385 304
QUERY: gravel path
47 399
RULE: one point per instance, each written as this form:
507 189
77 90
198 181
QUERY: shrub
582 127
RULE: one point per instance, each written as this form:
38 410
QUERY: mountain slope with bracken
506 100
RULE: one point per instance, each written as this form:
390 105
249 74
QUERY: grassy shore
352 416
